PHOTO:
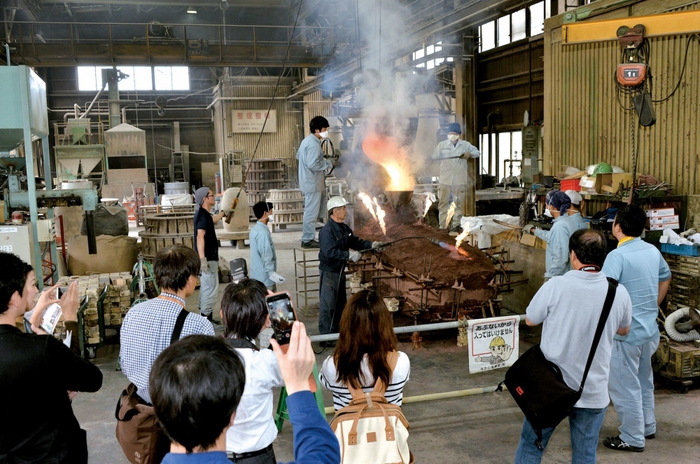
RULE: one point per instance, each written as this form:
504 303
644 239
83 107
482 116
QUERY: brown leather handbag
138 432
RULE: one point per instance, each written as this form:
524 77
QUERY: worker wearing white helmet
338 245
575 218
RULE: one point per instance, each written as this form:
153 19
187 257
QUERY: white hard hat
575 197
336 202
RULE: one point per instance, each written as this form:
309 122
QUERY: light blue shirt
263 258
640 267
576 222
557 238
312 165
453 170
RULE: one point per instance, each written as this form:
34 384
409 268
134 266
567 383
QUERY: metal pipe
409 329
7 54
87 111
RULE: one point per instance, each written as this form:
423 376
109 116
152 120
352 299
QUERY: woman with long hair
244 314
362 356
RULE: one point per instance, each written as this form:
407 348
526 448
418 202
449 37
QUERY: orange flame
386 151
429 200
367 201
450 213
380 216
460 238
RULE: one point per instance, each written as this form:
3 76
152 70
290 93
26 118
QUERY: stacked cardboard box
661 218
91 287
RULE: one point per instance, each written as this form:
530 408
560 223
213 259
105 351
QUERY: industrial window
512 27
509 147
425 52
140 78
537 18
487 36
503 30
518 25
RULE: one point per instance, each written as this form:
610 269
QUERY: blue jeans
631 387
585 427
312 208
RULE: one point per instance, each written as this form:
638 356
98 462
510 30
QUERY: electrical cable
685 61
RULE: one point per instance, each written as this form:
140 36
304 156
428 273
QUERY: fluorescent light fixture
191 10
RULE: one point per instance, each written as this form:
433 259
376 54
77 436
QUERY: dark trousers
333 299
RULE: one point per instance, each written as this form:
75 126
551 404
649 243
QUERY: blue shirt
640 267
312 165
557 238
576 222
314 441
263 258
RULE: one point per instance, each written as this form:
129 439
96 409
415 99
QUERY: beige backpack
370 430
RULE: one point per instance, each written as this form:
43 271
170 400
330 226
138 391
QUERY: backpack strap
179 324
379 387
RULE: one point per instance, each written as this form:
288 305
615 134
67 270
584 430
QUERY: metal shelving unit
306 280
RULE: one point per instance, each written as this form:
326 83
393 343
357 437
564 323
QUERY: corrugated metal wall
280 144
315 105
585 124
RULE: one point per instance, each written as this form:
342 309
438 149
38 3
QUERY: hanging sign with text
251 121
493 343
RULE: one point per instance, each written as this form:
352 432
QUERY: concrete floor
476 429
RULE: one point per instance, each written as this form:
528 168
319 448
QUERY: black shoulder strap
242 343
179 324
612 288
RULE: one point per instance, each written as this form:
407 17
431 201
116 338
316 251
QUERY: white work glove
204 265
377 246
528 229
355 256
276 278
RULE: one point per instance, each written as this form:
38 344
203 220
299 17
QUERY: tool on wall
632 73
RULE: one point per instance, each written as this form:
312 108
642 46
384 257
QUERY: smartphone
282 315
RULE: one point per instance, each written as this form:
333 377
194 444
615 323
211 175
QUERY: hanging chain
634 148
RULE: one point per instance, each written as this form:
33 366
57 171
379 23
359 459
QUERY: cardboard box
610 183
660 212
655 221
673 225
528 240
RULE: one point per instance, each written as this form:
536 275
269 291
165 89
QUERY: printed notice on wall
493 343
247 121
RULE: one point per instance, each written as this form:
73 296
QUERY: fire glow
460 238
460 253
450 213
378 213
386 151
367 201
429 200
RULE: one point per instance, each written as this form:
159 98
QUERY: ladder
177 169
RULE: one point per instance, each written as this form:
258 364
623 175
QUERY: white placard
251 121
493 343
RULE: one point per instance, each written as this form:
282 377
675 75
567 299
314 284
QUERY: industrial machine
24 127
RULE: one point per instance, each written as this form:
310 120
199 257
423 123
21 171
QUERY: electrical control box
17 239
46 230
532 152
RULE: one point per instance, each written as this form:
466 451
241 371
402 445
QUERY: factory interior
115 112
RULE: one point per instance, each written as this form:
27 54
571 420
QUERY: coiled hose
670 326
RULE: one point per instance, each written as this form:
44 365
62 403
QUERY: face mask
453 138
324 134
271 217
548 213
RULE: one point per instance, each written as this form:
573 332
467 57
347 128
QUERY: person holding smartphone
366 343
244 313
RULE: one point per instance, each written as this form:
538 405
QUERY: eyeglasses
210 195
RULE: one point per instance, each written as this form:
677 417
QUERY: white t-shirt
254 426
569 308
342 396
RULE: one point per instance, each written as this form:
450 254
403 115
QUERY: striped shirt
342 396
146 332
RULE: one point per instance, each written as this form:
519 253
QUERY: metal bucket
399 198
174 188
